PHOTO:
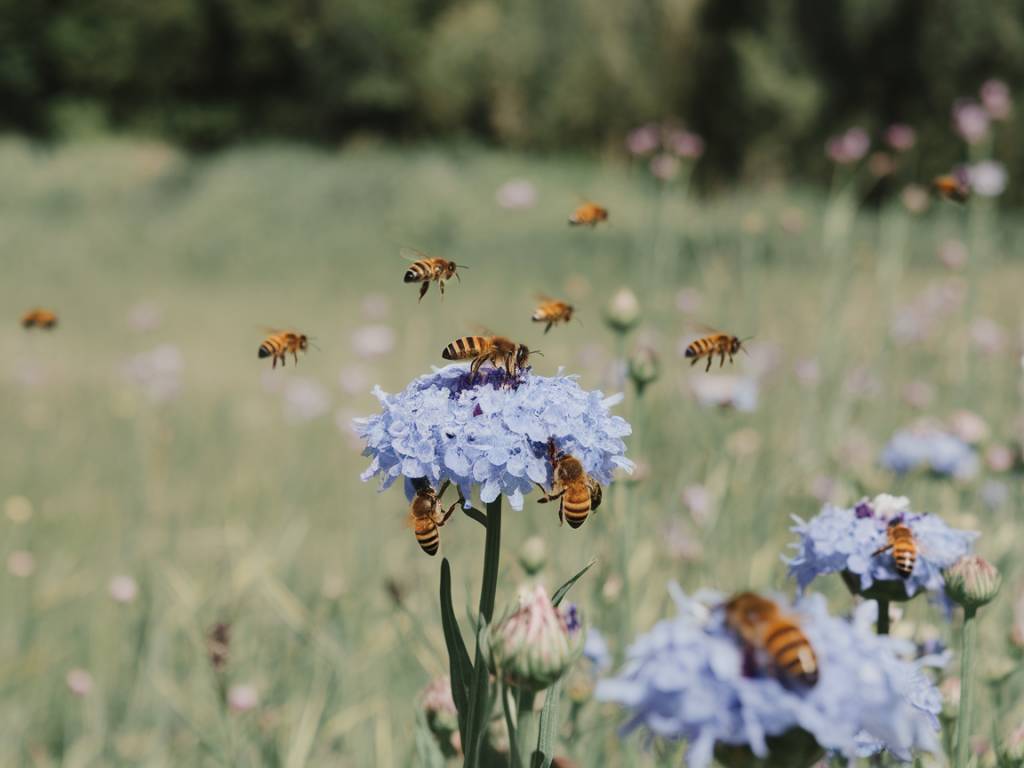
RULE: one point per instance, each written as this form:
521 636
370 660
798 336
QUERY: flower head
664 166
900 137
987 178
930 448
516 194
726 391
493 433
157 373
623 311
123 589
848 147
692 678
848 540
442 717
644 367
643 140
79 682
995 97
533 555
243 697
685 144
536 643
972 581
970 120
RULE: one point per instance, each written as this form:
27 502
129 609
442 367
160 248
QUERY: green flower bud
644 368
535 644
623 311
972 582
533 555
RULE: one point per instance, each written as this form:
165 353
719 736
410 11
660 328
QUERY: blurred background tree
765 82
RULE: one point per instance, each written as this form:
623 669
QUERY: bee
426 516
427 269
763 628
280 343
715 343
578 493
39 318
588 213
900 539
500 351
552 312
952 187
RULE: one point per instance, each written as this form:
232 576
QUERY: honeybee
280 343
552 312
588 213
500 351
714 343
764 629
578 493
952 187
900 539
427 269
426 516
39 318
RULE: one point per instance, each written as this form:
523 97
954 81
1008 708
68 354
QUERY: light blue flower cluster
688 678
930 449
493 432
840 539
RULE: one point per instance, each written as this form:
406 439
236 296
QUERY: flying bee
589 214
765 630
578 494
426 516
952 186
500 351
715 343
280 343
900 539
427 269
39 318
552 312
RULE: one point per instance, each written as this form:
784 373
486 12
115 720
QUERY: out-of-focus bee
426 516
280 343
39 318
427 269
589 214
714 343
764 629
552 312
578 493
500 351
900 539
218 645
951 186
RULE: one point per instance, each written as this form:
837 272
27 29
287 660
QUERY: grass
223 509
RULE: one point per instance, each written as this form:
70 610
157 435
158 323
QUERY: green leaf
426 746
547 735
459 666
563 590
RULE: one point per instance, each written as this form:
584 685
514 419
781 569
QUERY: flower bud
534 645
533 555
1011 750
644 368
623 311
972 582
439 708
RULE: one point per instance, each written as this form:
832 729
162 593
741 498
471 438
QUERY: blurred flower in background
999 457
680 543
970 120
881 164
919 394
987 178
123 589
79 682
304 400
685 144
516 194
700 503
690 679
792 220
157 372
988 336
928 447
355 379
848 147
664 166
953 253
442 717
21 564
375 306
900 137
995 97
144 317
18 509
643 140
808 373
689 301
623 311
969 426
371 341
725 391
243 697
915 198
845 539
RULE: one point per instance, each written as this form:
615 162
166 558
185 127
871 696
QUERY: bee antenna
536 352
462 266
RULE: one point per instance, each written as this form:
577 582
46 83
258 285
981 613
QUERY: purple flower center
572 618
863 509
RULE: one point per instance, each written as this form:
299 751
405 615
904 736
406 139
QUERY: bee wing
411 254
700 329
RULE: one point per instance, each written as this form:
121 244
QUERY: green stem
478 714
963 722
524 724
883 617
515 752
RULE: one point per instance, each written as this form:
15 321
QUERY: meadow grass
224 509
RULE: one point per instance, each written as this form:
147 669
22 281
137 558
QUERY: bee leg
296 356
548 327
423 289
448 514
711 359
880 550
440 284
474 367
721 361
561 516
694 361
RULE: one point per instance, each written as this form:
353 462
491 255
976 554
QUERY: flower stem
883 617
524 727
963 722
478 700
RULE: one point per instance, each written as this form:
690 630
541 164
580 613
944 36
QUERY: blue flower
493 433
844 540
690 678
932 449
595 650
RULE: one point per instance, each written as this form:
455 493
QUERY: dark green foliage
765 82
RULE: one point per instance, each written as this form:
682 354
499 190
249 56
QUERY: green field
224 505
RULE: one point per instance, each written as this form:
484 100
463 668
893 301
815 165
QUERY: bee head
303 342
522 355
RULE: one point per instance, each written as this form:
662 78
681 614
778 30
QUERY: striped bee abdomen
576 506
464 347
418 272
904 549
428 536
792 653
